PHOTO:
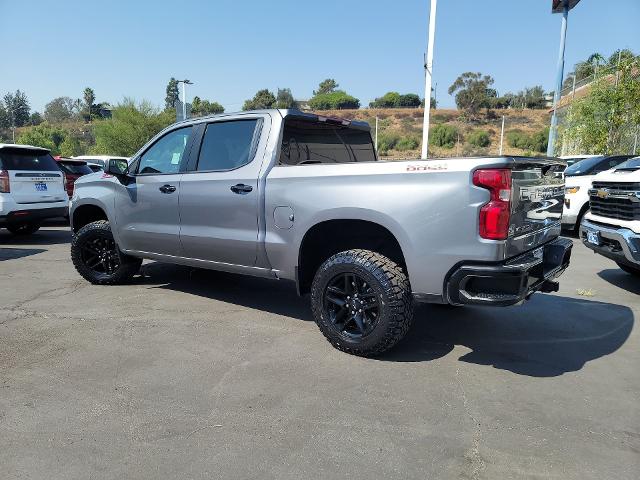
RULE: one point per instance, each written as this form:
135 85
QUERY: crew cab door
147 208
219 192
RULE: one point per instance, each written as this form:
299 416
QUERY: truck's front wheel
97 257
362 302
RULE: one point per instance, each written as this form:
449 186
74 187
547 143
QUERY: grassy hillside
407 124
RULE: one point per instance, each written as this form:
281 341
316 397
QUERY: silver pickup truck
295 196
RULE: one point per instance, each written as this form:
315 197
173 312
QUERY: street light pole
559 74
184 83
428 69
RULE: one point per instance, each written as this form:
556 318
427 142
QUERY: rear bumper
510 282
35 215
619 244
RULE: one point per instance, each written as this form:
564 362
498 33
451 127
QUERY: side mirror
117 167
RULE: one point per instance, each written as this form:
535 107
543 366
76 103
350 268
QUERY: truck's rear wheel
97 257
630 269
362 302
23 228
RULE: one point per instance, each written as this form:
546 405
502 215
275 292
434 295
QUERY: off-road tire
630 269
127 268
23 228
391 286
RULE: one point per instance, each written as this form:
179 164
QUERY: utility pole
502 135
428 68
559 75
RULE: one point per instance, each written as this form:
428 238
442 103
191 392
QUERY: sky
232 48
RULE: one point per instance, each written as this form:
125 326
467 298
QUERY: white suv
31 188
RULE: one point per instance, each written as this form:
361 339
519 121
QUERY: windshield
631 164
76 168
23 159
583 167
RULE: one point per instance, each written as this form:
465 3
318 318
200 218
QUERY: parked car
31 188
578 178
99 159
571 159
299 197
73 170
95 167
612 226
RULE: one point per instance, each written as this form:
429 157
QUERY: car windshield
631 164
24 159
583 167
76 168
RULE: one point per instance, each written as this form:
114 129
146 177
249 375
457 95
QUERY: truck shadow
548 336
272 296
621 279
15 253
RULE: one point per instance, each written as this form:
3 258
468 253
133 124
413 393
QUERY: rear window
19 159
307 142
75 168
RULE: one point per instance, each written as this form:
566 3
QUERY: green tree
326 86
17 106
261 100
602 121
200 107
624 56
70 147
472 91
89 100
395 100
388 100
338 100
35 118
59 110
172 94
129 128
285 99
5 120
44 135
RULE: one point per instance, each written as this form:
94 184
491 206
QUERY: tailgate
36 187
537 198
34 176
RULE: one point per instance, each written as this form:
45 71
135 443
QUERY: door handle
241 188
167 189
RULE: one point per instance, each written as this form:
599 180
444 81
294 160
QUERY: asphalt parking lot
194 374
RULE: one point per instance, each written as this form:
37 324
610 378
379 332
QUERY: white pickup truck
612 226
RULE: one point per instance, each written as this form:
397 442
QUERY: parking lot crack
473 454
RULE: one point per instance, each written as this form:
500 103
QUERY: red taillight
495 215
5 187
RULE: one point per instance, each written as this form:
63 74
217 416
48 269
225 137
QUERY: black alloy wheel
100 255
351 305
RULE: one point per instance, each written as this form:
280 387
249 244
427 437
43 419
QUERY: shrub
443 136
479 138
387 141
517 139
536 142
46 136
338 100
407 143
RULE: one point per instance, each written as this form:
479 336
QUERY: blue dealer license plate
593 238
41 187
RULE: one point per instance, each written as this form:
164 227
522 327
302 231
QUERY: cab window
227 145
165 156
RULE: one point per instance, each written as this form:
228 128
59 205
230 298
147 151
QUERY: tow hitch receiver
549 286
